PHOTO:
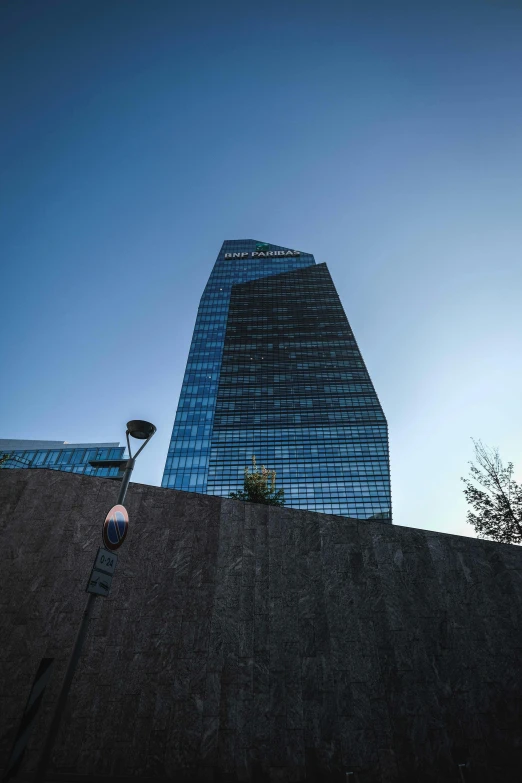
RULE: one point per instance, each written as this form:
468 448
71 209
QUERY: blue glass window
274 370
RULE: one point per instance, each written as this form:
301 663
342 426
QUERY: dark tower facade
274 370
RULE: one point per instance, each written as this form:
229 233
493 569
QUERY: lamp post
141 430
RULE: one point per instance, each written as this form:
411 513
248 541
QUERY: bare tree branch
496 510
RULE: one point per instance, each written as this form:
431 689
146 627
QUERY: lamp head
140 429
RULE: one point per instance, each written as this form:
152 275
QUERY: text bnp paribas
262 254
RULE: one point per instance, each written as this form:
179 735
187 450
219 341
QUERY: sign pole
26 724
61 701
64 690
114 532
125 481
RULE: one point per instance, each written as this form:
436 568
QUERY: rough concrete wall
244 642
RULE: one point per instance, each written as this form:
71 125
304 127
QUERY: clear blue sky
384 137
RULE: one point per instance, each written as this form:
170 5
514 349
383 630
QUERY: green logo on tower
262 246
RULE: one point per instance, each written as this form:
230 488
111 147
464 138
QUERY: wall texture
249 643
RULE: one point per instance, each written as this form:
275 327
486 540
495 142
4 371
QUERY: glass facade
274 370
69 457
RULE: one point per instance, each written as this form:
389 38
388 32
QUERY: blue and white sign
100 580
115 527
99 583
106 561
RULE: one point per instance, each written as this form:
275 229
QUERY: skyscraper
274 370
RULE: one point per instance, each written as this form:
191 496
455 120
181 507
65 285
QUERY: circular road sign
115 527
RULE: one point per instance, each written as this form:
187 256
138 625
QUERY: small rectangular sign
105 561
99 583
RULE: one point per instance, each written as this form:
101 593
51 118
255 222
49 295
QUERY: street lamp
141 430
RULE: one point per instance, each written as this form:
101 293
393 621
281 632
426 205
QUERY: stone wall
242 642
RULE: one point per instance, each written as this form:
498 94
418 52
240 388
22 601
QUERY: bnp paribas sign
262 251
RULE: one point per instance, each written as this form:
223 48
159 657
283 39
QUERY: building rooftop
9 444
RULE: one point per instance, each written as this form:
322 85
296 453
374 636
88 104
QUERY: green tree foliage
259 487
4 458
494 496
